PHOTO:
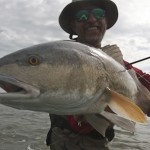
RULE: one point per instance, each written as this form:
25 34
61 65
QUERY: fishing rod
134 62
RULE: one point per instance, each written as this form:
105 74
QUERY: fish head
38 77
41 66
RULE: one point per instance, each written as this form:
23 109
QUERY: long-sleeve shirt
143 77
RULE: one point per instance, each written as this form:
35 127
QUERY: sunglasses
84 14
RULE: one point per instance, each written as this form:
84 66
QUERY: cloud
131 32
26 22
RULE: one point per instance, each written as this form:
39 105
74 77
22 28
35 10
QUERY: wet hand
115 52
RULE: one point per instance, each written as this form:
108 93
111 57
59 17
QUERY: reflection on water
26 130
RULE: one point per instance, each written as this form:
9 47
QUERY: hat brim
68 12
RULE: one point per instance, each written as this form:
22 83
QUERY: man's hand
114 52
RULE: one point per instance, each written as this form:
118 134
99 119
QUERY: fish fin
119 121
143 95
124 107
98 122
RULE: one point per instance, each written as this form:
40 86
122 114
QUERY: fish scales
70 78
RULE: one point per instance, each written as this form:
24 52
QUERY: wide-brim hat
67 13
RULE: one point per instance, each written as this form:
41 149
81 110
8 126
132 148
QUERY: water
23 130
26 130
137 141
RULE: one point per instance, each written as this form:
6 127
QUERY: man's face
92 29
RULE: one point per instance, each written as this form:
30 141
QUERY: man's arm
143 77
115 52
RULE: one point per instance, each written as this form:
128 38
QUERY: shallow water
26 130
22 130
140 140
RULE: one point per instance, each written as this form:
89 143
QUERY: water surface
26 130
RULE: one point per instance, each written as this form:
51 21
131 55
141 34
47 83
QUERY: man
88 20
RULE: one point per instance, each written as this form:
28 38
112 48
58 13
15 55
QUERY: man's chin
93 40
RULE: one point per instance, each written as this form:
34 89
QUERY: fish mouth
15 88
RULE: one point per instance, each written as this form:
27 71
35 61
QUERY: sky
24 23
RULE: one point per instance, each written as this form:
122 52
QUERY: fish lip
17 87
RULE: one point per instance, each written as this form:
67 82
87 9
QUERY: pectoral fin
98 122
119 121
124 107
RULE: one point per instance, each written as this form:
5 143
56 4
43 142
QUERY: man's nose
91 18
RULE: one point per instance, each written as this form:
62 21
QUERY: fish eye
34 60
